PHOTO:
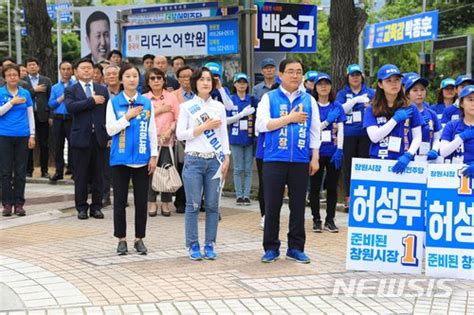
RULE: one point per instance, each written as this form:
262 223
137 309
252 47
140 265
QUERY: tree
38 28
345 24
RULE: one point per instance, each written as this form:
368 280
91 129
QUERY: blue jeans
242 159
197 177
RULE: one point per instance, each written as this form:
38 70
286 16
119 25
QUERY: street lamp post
9 29
17 33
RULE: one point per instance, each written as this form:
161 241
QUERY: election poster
386 227
450 223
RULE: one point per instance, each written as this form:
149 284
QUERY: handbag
166 178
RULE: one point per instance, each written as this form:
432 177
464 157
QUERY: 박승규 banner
218 37
409 29
386 219
450 223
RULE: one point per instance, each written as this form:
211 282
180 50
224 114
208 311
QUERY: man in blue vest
290 119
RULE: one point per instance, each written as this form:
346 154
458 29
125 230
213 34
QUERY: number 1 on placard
409 257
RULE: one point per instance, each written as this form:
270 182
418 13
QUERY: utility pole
17 33
9 29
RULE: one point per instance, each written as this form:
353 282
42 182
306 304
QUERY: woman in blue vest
457 140
240 121
446 96
332 118
354 98
201 123
131 124
390 121
453 112
17 135
415 90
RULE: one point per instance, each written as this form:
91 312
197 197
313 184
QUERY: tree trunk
345 24
38 28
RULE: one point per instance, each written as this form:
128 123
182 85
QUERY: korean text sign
184 39
386 222
450 223
286 27
409 29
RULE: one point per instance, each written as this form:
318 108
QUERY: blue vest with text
131 145
291 142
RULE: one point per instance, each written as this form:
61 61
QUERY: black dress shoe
56 177
106 202
97 214
45 175
82 215
140 247
122 248
68 172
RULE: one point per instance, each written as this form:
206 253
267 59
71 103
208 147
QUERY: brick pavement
52 263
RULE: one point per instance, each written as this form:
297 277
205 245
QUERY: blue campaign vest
289 143
131 146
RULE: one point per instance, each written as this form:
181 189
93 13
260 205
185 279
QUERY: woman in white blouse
202 124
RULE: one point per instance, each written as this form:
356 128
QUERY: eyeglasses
294 72
157 78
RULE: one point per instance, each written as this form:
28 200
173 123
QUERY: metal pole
248 51
469 55
361 50
9 29
59 37
17 33
422 51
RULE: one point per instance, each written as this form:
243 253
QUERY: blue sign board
386 219
194 38
450 222
66 16
286 27
409 29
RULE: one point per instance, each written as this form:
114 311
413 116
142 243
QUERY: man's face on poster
98 40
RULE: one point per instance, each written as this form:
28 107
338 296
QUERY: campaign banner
450 223
219 37
286 27
386 227
408 29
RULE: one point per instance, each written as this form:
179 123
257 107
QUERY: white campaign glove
363 99
249 110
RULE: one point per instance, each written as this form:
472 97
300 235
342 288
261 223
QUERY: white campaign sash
200 115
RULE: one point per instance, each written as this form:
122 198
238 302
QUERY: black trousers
354 147
107 175
164 158
42 134
275 176
89 164
261 199
61 130
13 157
121 175
332 177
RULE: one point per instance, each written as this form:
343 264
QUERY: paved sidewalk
52 263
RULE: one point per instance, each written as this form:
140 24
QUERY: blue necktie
88 90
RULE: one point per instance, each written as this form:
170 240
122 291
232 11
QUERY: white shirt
187 124
114 126
83 84
263 117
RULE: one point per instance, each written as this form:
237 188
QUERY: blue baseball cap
386 71
463 78
310 75
322 76
407 75
412 79
267 62
240 76
467 90
447 82
353 68
215 68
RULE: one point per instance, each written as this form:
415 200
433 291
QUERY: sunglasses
155 78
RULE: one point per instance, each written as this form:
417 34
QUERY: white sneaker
262 222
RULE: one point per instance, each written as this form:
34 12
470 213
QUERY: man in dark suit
41 87
86 102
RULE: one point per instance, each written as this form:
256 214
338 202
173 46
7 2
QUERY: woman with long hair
445 96
201 124
131 124
390 121
166 108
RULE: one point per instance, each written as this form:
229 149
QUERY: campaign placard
450 222
386 218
